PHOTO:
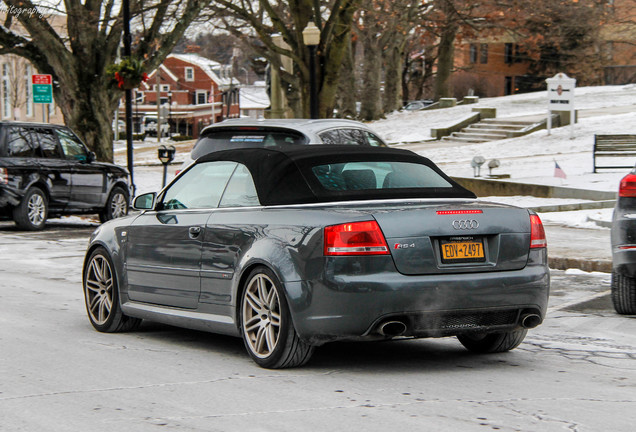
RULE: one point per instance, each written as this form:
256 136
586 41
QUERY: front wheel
493 342
266 325
32 211
101 295
624 294
116 205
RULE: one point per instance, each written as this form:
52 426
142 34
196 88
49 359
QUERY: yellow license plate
462 251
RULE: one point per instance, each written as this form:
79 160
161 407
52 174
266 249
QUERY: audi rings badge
465 224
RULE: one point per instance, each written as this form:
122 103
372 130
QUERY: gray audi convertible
293 247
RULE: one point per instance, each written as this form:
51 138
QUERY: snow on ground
531 158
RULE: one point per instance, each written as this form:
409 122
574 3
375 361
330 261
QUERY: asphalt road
576 372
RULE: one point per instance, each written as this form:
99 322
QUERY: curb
559 263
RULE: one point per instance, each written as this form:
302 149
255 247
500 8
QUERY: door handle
194 232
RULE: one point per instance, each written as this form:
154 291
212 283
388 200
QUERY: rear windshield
376 175
244 138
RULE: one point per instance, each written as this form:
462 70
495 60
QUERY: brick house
193 92
497 66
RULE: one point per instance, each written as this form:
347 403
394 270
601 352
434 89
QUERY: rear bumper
353 306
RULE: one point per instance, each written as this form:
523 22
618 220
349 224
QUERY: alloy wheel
99 289
36 209
118 205
261 316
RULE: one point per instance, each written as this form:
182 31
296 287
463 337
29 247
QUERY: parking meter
166 155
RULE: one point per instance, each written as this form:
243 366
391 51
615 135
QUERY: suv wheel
623 294
116 205
32 211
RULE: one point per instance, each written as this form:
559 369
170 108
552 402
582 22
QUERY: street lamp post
311 38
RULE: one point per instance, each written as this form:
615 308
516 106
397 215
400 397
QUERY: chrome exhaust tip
529 321
392 328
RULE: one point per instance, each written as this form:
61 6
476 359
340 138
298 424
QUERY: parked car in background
296 246
244 133
149 126
623 235
46 171
418 105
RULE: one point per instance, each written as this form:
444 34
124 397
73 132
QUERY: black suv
45 170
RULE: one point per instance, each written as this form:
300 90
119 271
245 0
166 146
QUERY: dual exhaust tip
398 328
530 320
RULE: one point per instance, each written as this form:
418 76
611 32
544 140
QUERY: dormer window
189 74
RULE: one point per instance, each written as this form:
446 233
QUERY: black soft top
283 175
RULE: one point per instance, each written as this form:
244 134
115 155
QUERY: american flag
558 171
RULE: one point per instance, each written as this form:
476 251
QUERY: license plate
464 249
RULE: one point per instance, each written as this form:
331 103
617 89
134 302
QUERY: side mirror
91 157
145 201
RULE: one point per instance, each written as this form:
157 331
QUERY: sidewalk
580 248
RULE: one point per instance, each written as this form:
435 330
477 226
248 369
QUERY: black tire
624 294
33 210
493 342
266 326
101 295
116 205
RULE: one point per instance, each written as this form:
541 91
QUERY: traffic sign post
42 91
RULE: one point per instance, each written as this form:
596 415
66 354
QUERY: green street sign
42 89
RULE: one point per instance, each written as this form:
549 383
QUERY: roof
213 69
310 127
282 175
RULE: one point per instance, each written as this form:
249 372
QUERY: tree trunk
346 99
445 60
393 69
371 79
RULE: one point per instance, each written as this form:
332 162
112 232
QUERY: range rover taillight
537 233
627 187
4 176
356 238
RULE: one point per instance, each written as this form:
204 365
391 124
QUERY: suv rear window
245 138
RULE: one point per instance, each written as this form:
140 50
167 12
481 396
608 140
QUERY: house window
189 74
165 87
201 97
508 53
6 92
473 53
483 54
28 90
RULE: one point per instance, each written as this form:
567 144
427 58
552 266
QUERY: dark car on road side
46 171
623 235
244 133
293 247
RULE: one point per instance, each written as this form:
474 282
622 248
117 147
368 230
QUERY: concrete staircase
493 129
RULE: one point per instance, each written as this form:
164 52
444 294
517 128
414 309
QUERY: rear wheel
493 342
624 294
101 295
32 211
266 325
116 205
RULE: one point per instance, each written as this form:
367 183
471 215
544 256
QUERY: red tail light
627 186
356 238
537 233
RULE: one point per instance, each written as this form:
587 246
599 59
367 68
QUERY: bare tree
255 23
78 43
